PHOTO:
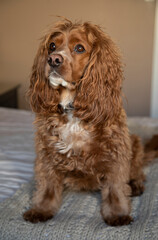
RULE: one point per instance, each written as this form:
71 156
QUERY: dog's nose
55 60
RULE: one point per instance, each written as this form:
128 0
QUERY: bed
79 216
16 150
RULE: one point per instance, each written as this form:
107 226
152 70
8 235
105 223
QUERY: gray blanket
79 216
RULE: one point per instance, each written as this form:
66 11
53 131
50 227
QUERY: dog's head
79 57
68 55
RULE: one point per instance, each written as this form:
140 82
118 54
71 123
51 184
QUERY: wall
129 22
154 85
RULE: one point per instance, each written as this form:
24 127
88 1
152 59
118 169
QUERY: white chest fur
73 138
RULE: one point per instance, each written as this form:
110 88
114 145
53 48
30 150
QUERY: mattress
17 146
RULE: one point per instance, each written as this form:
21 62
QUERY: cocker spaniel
82 139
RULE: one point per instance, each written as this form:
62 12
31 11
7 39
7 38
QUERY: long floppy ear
43 98
99 92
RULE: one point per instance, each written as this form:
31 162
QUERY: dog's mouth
56 80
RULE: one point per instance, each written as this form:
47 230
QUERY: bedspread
17 146
79 217
16 150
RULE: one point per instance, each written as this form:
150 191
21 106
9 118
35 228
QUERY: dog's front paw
35 215
118 220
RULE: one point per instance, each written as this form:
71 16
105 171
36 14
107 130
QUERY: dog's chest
73 137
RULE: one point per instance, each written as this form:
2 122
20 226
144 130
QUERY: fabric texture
16 150
79 216
17 146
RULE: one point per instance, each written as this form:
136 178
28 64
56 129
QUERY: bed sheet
16 150
17 146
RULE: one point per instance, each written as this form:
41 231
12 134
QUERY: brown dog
82 139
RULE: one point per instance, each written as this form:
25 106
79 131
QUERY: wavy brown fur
102 155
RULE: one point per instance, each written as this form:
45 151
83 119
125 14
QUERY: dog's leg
46 200
115 207
137 176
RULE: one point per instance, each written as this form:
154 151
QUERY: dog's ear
42 97
99 91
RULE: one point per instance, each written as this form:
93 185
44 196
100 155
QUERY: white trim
154 86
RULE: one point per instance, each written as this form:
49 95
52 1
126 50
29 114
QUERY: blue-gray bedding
79 216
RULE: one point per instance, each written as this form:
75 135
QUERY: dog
82 138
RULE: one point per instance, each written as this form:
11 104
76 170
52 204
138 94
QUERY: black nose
55 60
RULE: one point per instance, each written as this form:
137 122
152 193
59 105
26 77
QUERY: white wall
154 89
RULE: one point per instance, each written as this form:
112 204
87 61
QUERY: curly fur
86 147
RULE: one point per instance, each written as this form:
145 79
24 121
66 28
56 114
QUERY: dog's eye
52 46
79 48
